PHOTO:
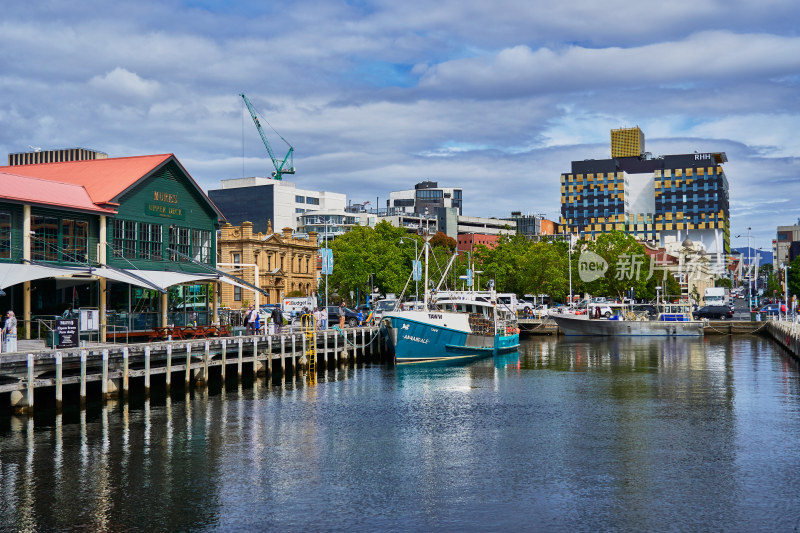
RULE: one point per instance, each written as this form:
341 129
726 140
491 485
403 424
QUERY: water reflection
571 434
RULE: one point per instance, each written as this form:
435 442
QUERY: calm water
683 435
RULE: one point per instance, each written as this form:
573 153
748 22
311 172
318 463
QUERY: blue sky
497 98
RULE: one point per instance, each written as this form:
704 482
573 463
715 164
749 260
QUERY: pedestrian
256 323
360 318
783 310
277 318
67 313
250 320
317 318
10 332
342 315
324 315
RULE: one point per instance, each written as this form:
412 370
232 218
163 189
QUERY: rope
348 340
721 332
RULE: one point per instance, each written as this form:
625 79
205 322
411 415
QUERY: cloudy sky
494 97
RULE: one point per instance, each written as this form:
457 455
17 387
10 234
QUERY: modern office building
782 247
627 142
259 200
424 198
328 223
659 199
54 156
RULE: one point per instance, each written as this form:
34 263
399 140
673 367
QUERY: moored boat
673 320
460 327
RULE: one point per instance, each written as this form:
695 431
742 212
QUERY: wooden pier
188 361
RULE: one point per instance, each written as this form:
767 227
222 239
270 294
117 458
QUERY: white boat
673 320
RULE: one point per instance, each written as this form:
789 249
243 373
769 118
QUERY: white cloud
126 83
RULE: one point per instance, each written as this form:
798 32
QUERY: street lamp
750 276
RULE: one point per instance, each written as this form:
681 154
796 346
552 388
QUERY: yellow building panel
659 227
668 183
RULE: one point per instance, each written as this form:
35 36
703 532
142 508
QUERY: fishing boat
672 320
458 327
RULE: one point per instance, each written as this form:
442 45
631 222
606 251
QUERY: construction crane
282 166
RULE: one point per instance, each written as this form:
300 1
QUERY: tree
723 282
442 240
367 254
628 265
793 277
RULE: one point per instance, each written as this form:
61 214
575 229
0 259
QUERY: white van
294 306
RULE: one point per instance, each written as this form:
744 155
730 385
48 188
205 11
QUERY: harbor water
567 435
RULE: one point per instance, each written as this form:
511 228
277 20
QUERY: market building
278 263
132 237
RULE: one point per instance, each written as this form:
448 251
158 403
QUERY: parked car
771 310
524 306
720 312
350 316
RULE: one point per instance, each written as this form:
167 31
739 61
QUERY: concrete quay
787 334
546 326
190 362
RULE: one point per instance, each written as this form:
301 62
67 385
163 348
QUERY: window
44 238
5 235
237 293
75 240
300 199
429 194
312 201
237 258
151 241
179 242
124 239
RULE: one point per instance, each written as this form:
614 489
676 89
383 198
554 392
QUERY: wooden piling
59 382
146 370
188 374
126 372
169 367
84 355
224 356
239 362
104 376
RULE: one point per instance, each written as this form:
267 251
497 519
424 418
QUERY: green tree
793 277
723 282
375 254
628 265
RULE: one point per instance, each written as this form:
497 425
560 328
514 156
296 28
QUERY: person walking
324 315
277 318
250 320
342 315
256 324
360 318
10 332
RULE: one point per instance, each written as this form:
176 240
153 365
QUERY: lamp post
749 276
785 268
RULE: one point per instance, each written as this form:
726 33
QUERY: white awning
14 273
165 279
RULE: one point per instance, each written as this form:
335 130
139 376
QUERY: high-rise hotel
657 199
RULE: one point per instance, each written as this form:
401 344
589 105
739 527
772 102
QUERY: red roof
102 179
45 192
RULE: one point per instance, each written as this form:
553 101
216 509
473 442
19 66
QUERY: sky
494 97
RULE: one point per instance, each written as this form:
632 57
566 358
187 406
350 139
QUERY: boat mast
427 236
